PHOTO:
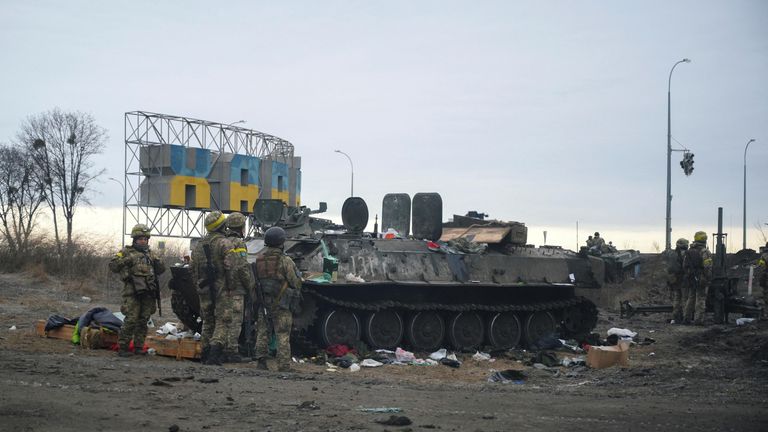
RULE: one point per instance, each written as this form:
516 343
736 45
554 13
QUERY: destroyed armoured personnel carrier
473 283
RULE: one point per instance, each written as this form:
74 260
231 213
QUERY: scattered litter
173 428
653 354
423 362
452 356
308 405
350 277
382 410
507 376
481 356
743 321
371 363
150 323
574 361
395 421
85 299
330 369
13 327
197 336
119 315
450 362
647 341
354 367
168 328
159 383
439 354
152 351
404 356
622 333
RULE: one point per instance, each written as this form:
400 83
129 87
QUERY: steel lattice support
143 129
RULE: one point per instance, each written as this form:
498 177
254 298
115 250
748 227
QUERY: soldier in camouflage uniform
675 278
697 266
138 268
280 284
762 263
231 300
201 274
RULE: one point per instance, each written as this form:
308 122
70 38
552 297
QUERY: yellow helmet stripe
215 224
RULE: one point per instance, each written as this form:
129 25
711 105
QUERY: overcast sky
546 113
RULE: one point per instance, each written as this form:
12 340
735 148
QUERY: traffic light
687 163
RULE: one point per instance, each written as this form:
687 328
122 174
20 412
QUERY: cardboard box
600 357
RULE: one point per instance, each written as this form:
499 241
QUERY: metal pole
123 186
669 156
744 213
352 168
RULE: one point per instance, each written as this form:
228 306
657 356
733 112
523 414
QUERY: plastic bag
404 356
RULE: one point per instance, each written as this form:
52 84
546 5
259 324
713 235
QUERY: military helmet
682 243
597 234
214 220
700 236
140 230
235 221
274 236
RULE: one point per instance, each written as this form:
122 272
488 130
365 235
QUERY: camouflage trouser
282 320
137 310
207 315
678 300
695 303
229 320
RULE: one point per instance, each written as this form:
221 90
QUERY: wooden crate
180 348
66 331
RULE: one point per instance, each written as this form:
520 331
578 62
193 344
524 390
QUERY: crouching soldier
138 268
278 286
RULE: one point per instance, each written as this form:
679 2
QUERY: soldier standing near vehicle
231 300
280 285
697 266
763 264
675 278
204 274
138 268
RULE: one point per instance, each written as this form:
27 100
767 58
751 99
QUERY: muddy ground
712 378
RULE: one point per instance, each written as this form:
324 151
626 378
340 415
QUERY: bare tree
63 145
20 198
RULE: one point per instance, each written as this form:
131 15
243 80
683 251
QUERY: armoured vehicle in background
469 284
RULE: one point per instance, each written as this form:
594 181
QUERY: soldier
675 279
763 264
231 300
138 268
280 285
204 269
697 266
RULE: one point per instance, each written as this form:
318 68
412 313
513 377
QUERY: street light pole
122 234
352 168
744 244
669 155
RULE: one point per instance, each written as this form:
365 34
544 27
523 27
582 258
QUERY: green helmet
700 236
274 237
682 243
235 221
214 220
140 230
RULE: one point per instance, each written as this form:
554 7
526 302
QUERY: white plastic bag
354 367
481 356
404 356
371 363
439 354
622 333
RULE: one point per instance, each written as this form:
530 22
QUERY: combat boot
215 355
123 351
204 354
232 358
261 364
284 368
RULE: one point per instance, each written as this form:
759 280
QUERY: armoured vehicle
472 283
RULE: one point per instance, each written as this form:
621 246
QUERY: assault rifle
265 311
210 271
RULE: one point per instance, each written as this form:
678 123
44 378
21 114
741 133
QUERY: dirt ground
712 378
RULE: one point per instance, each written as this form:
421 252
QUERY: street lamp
744 244
123 186
669 155
352 168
